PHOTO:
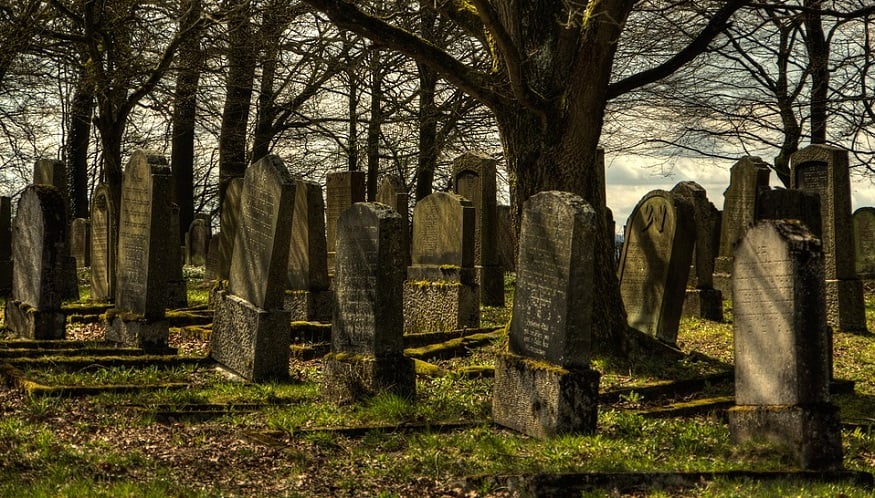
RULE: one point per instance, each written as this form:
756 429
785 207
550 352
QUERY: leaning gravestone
80 242
342 190
393 193
143 251
783 346
5 245
230 220
367 347
655 264
53 172
197 240
864 242
103 245
824 170
543 384
39 237
474 179
251 332
441 290
307 296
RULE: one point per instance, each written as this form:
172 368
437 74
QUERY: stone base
845 309
5 277
29 323
704 303
309 306
150 335
491 282
349 378
440 305
251 341
544 400
177 294
811 433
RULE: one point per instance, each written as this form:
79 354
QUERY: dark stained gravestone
53 172
441 290
393 193
543 385
103 245
506 239
655 264
748 177
342 190
39 237
198 240
251 331
307 296
823 170
177 293
864 242
474 179
5 246
783 345
80 242
144 250
229 222
367 348
783 204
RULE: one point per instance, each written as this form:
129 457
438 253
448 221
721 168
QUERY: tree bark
375 123
818 60
78 139
428 151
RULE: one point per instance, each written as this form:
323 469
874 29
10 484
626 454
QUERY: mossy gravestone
783 345
543 385
307 296
39 236
251 331
367 347
103 245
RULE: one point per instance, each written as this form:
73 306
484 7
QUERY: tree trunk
352 107
81 110
818 60
428 78
375 123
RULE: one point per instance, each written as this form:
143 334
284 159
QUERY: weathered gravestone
39 238
144 249
342 190
474 179
441 290
53 172
655 264
197 240
393 193
211 267
506 239
80 242
307 296
864 242
824 170
229 222
5 245
783 345
702 299
103 245
251 332
177 293
367 347
543 385
783 204
748 177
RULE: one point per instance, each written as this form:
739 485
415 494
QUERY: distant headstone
211 270
441 290
342 190
307 296
177 293
39 237
864 242
474 179
823 170
198 240
543 385
144 250
230 220
506 239
783 345
103 245
655 263
393 193
748 177
251 331
5 246
80 242
367 347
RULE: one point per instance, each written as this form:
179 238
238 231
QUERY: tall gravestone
177 293
307 295
80 242
5 245
251 332
229 221
144 247
342 190
506 239
441 289
393 193
367 347
197 240
702 299
823 170
655 263
103 245
748 177
543 384
53 172
474 179
39 238
864 242
783 345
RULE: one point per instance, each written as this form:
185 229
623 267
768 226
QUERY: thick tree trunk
375 123
428 78
818 60
81 110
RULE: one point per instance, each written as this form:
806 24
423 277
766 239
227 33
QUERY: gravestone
823 170
39 238
211 267
748 177
783 204
702 299
655 263
543 384
367 347
393 193
864 242
783 345
80 242
229 221
198 240
5 246
441 289
53 172
342 190
251 331
103 245
474 179
177 293
145 248
307 295
506 239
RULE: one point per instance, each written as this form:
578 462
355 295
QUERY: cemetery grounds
77 419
